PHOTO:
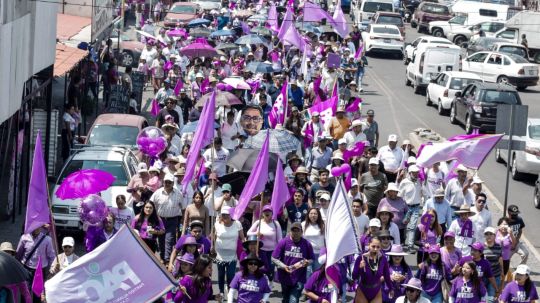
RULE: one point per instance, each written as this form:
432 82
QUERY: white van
429 60
364 10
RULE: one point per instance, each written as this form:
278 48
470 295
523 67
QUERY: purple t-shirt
250 289
484 269
202 240
464 292
321 288
432 276
189 284
289 252
514 293
506 243
144 227
450 259
398 290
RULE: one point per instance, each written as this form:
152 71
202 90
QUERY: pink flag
280 193
356 151
245 27
278 112
202 168
272 20
326 109
274 55
469 152
37 210
359 51
317 85
204 85
178 86
308 135
155 108
451 171
293 37
256 181
314 13
355 106
232 5
287 22
339 22
203 136
38 283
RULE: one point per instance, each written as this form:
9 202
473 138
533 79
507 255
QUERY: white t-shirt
434 181
227 131
362 222
220 160
226 241
313 234
122 216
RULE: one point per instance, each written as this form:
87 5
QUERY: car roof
534 121
495 86
435 39
467 75
508 43
388 14
185 4
119 119
100 153
384 25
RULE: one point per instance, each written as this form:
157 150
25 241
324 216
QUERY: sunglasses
481 201
385 238
253 263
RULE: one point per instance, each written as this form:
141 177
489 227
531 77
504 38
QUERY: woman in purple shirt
483 267
521 290
149 225
432 273
197 288
468 288
250 283
450 255
506 239
400 273
318 289
370 268
427 236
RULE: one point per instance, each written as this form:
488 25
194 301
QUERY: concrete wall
82 8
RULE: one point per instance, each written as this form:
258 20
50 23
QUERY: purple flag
464 137
326 109
467 229
256 181
359 51
272 21
451 171
106 274
308 135
355 106
245 27
341 232
37 283
356 151
314 13
339 22
280 194
293 37
37 211
178 86
203 136
469 152
155 108
287 22
278 112
204 85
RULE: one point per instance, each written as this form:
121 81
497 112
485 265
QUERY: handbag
445 286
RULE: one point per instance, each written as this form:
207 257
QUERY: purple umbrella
177 32
222 99
83 183
198 50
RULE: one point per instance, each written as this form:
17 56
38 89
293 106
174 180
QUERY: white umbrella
237 83
145 34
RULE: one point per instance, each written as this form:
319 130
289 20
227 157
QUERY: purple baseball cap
449 234
477 246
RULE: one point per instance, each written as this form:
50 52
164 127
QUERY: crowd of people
397 207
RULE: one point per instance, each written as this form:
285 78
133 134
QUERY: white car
383 38
442 89
208 5
528 160
409 50
459 35
118 161
502 68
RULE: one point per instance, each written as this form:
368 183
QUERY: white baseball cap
477 180
325 197
414 169
523 269
375 222
168 177
68 241
392 138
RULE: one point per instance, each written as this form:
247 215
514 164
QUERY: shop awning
66 58
68 26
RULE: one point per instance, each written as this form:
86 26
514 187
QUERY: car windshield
394 20
436 9
499 97
385 30
113 135
458 20
116 168
459 83
371 7
519 58
534 131
183 9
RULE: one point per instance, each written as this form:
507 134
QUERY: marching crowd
397 208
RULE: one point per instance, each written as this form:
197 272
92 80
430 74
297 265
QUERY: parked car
476 105
383 38
459 35
119 161
181 13
480 44
131 49
410 49
116 129
390 19
427 12
524 161
502 68
510 48
209 4
443 89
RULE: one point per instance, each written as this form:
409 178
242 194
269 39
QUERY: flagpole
53 225
260 221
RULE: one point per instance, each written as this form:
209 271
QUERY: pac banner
120 270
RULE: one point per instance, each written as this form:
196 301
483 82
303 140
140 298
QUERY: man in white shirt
475 189
149 53
482 217
220 155
410 190
391 156
463 240
457 189
355 134
362 221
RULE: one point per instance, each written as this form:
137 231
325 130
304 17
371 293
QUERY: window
479 57
534 131
485 26
372 7
495 27
495 59
393 20
514 50
442 80
436 9
459 83
488 12
386 30
113 135
183 9
507 61
503 97
458 20
116 168
416 42
507 34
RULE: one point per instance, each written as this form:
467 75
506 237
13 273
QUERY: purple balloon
151 141
93 210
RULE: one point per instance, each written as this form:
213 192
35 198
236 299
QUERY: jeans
225 270
359 77
266 257
414 215
522 251
291 293
434 299
167 241
491 290
314 265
